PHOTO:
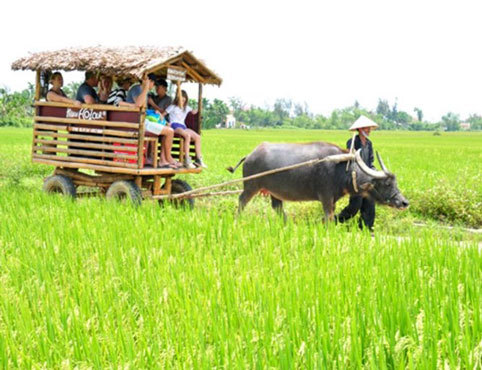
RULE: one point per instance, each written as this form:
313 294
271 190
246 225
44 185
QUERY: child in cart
177 114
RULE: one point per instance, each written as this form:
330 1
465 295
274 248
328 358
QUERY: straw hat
361 122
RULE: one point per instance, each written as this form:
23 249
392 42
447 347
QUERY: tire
60 184
177 187
122 190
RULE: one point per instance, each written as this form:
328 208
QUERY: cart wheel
60 184
122 190
177 187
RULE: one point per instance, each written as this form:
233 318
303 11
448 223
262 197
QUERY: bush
451 204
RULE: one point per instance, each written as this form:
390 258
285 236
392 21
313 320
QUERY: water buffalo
325 181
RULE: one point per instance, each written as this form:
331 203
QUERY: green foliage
451 122
475 122
214 112
16 109
450 203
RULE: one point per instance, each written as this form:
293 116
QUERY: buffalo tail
231 169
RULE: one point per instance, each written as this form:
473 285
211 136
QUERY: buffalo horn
374 173
382 165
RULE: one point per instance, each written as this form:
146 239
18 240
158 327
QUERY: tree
71 89
301 109
419 113
475 122
16 108
451 121
214 112
403 118
383 108
282 108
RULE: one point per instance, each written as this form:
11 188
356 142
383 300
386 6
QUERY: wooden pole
38 87
200 107
351 149
337 158
179 95
37 109
140 145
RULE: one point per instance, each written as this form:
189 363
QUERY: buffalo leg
328 208
245 197
278 206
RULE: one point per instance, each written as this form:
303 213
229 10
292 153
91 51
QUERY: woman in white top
177 116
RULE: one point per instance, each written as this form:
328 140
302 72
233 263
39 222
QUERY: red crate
128 152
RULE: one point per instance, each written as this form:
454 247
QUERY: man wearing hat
357 203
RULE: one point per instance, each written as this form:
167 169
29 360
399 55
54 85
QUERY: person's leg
167 135
187 141
197 142
367 214
350 210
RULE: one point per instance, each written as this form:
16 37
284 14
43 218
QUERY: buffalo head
383 186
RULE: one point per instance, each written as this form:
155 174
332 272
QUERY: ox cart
104 146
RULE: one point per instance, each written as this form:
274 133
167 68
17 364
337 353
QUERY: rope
333 158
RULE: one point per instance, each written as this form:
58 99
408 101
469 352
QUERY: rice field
96 284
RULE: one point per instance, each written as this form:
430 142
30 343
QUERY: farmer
357 203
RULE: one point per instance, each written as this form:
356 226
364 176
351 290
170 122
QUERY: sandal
164 165
176 164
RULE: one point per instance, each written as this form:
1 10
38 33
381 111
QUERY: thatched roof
126 61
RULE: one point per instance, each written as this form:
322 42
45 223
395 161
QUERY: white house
230 120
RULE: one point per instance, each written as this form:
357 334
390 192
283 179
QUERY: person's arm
104 91
140 100
153 104
123 103
54 97
89 99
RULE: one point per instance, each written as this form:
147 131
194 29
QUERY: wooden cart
105 146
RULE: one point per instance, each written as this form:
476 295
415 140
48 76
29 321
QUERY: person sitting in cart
160 101
118 96
137 96
86 93
105 87
178 112
56 94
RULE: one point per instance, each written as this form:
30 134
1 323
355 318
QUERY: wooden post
140 145
37 109
138 181
179 95
38 87
200 107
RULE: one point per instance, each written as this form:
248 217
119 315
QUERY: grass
99 284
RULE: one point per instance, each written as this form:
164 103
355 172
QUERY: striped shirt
116 96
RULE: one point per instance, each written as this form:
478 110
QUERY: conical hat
361 122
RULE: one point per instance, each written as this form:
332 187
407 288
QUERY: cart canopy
131 61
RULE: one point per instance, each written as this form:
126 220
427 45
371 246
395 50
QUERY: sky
327 54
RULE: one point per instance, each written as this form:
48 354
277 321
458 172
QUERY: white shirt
176 114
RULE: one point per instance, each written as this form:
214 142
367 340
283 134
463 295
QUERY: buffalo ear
366 186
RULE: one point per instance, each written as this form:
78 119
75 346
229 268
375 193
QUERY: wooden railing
64 133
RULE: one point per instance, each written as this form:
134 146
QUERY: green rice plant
91 283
